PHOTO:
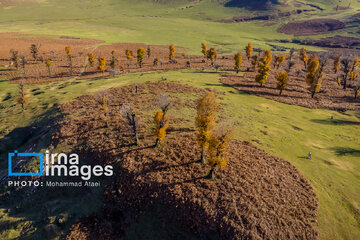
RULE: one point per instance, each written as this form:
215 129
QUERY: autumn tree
356 88
69 58
238 61
102 64
279 60
254 61
282 79
34 49
113 62
217 150
212 55
349 66
15 58
148 51
23 96
130 118
172 53
204 48
264 68
290 65
315 74
303 56
48 65
206 117
337 64
140 56
249 49
91 59
129 56
156 61
102 99
161 120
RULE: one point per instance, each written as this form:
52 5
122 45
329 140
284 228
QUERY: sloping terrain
256 196
312 27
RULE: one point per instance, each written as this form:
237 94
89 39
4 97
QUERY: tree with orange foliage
140 56
238 62
102 64
172 53
129 56
282 79
303 56
23 96
218 144
249 49
206 117
204 48
212 55
161 119
264 68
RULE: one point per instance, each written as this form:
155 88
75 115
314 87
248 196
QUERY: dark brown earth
258 196
312 27
340 43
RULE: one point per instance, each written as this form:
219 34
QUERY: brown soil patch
258 196
332 96
312 27
339 42
50 48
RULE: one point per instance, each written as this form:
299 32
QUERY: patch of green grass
292 132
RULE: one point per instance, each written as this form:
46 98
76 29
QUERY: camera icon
17 154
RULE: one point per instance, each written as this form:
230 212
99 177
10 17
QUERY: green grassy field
291 132
179 22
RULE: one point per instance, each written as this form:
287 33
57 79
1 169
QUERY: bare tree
130 119
23 62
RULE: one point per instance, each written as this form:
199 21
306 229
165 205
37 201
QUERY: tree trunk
260 84
313 94
211 174
344 87
156 143
202 158
280 91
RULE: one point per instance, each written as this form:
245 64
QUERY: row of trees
212 140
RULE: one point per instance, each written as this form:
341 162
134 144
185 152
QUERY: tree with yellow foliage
70 58
68 50
206 117
161 120
140 56
23 96
279 60
249 49
102 64
91 59
238 62
212 55
315 75
48 65
264 68
303 56
282 79
218 144
102 100
337 64
172 53
204 48
113 61
349 66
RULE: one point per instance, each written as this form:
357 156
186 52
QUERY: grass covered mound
257 196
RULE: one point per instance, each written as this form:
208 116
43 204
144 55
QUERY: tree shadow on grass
335 122
343 151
